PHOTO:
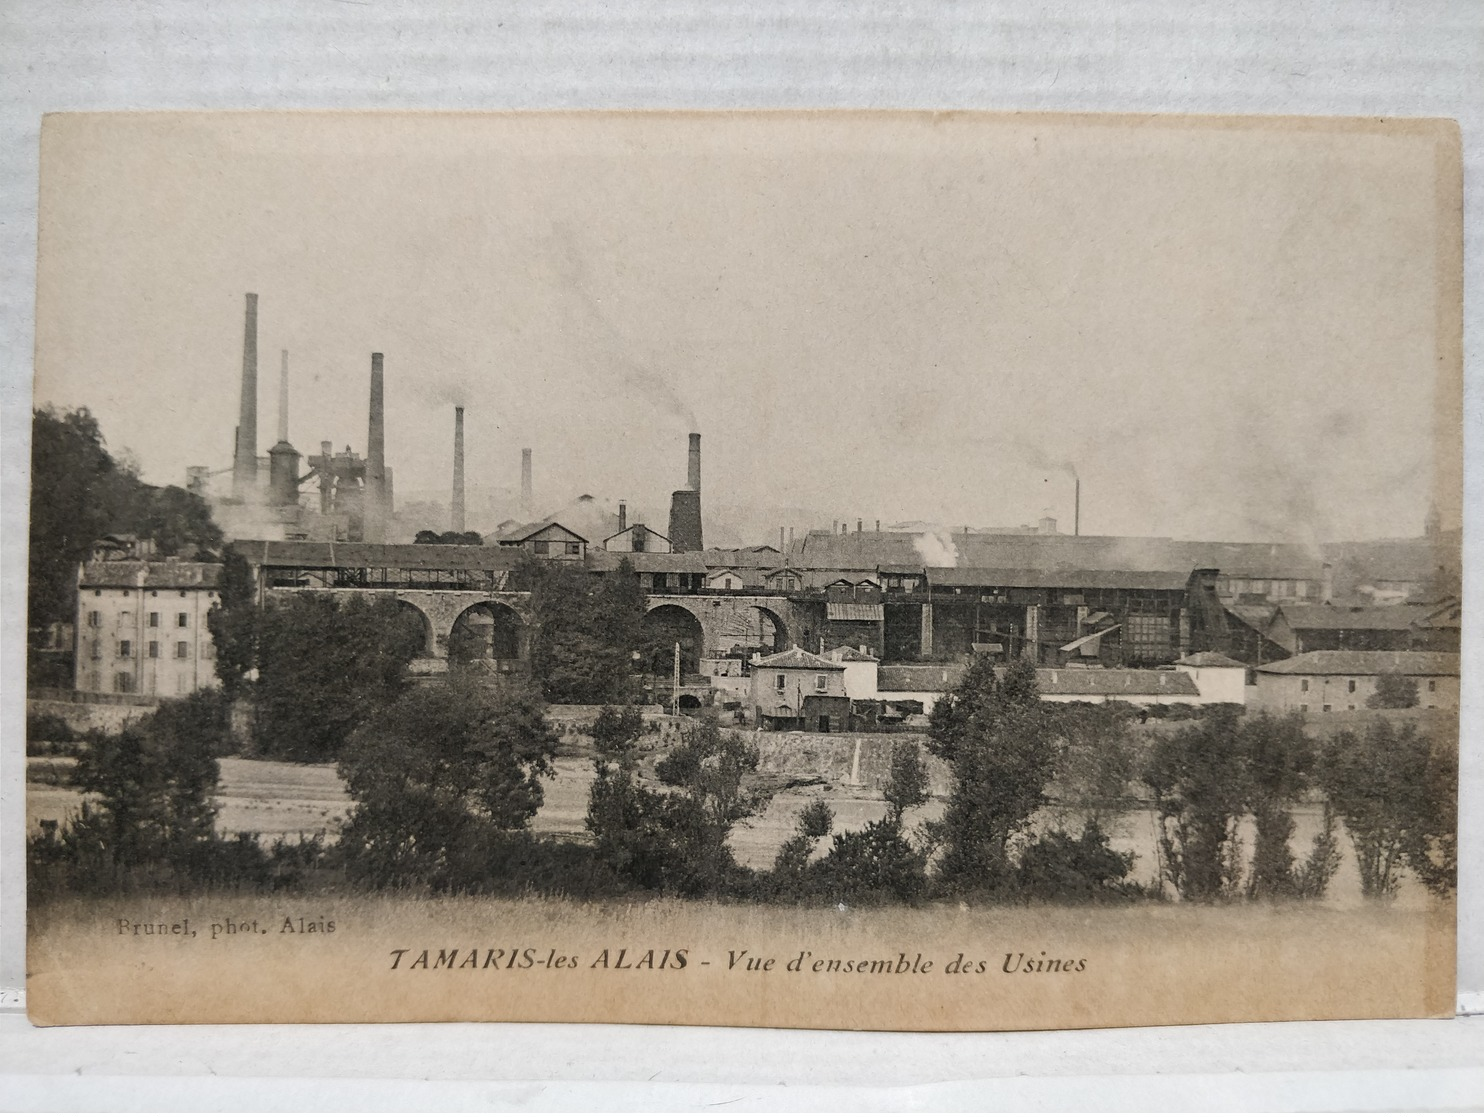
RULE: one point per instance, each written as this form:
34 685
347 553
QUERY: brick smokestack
623 516
374 530
693 472
283 398
525 482
456 507
245 456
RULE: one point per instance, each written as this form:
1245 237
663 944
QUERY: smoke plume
936 548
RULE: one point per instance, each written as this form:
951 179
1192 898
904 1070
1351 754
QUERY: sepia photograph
853 570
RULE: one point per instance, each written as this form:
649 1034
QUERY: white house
860 671
1219 678
141 627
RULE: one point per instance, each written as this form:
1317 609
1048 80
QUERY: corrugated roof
926 677
1113 682
302 554
853 611
1337 617
995 578
798 657
156 575
1208 659
1365 663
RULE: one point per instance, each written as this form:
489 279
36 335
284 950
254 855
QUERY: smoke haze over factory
823 321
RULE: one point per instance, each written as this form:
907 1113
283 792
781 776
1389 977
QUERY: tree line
447 776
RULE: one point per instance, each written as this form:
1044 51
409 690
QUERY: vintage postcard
829 570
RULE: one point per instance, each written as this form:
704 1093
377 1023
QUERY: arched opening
752 630
689 702
414 617
663 628
490 635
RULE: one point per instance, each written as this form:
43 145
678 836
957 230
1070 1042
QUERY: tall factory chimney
283 459
685 505
623 515
456 506
525 483
283 397
1077 509
374 529
245 456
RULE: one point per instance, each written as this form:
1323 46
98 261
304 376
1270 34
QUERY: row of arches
492 632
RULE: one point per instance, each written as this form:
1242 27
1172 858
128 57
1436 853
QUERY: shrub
43 730
1061 868
442 772
1393 692
875 864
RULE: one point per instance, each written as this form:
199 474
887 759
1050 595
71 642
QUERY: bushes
439 778
48 735
1057 867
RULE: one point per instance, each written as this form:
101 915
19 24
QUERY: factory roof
649 562
868 550
853 611
797 657
846 654
1253 616
1365 663
301 554
1350 617
151 575
740 558
521 532
918 677
1209 659
964 576
1111 682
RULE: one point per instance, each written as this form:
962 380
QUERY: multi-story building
141 627
1326 681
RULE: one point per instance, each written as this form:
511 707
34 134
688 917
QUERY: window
182 593
1350 686
154 620
182 620
1432 686
821 683
94 619
97 649
780 682
123 682
574 548
97 593
208 651
1304 685
126 648
1303 707
154 649
182 649
1327 707
541 547
182 685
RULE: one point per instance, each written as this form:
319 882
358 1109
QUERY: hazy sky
1228 332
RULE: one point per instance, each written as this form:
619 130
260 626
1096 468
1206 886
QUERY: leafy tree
1001 745
907 785
1280 760
587 631
437 775
616 732
674 838
1397 795
325 667
1393 692
873 864
70 472
1096 755
1200 782
426 536
233 623
815 821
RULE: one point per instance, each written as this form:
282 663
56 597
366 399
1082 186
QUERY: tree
233 623
1397 795
70 471
907 785
1199 776
587 631
674 838
325 667
1393 692
1001 745
437 775
1057 867
1280 761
